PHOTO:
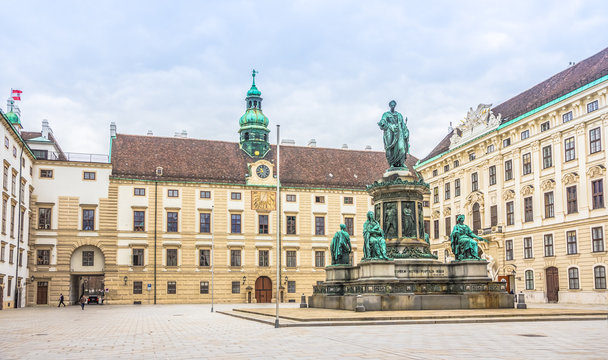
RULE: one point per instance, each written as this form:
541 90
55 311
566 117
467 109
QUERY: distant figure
61 300
83 301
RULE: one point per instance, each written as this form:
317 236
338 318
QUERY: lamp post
212 262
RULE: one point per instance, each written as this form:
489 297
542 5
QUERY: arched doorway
552 276
87 273
263 289
476 218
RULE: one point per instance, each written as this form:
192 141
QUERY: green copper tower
254 124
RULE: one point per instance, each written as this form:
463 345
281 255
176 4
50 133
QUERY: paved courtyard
193 332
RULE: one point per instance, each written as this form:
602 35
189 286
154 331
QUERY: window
528 248
448 225
435 172
263 224
569 149
291 286
14 151
290 257
6 142
290 198
474 182
171 287
88 175
235 257
263 258
139 191
5 178
8 290
548 241
597 238
571 242
204 287
456 187
545 126
549 209
492 174
236 287
490 149
291 224
172 221
11 256
235 223
592 106
508 170
139 220
138 257
425 203
435 195
446 168
508 249
235 196
525 134
171 257
319 225
14 184
446 188
44 218
43 257
472 156
88 219
599 274
529 275
320 199
205 222
547 157
529 216
88 258
4 209
46 173
571 199
427 227
597 193
435 229
348 200
506 142
172 193
137 287
204 257
12 220
573 278
319 258
526 160
595 140
493 215
567 116
205 195
456 163
350 225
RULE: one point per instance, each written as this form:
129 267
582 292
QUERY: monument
398 271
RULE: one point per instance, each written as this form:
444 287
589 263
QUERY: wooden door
42 293
505 279
263 289
552 284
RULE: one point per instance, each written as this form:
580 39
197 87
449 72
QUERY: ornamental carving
557 138
436 214
447 211
535 145
547 185
596 171
570 178
508 195
527 190
476 122
580 129
475 197
263 200
604 118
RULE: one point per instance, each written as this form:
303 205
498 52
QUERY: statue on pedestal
340 247
396 137
374 247
464 245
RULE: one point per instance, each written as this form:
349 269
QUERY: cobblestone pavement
193 332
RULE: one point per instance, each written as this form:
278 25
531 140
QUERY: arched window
265 137
529 279
255 104
246 136
573 278
446 254
476 218
249 103
599 273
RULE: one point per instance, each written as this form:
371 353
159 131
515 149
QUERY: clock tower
253 130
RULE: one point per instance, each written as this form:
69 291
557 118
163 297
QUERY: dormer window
472 156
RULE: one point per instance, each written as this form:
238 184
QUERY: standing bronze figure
340 247
396 137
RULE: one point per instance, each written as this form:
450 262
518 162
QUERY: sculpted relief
263 200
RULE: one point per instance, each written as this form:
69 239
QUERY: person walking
61 300
83 300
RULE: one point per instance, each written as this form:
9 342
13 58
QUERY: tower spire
254 124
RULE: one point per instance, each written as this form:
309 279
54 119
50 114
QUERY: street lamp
244 279
125 279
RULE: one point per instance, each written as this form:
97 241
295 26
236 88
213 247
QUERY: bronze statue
396 137
374 247
464 245
340 247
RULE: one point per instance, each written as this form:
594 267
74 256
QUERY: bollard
521 301
303 302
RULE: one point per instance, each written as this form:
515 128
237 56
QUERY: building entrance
42 293
552 284
86 285
263 289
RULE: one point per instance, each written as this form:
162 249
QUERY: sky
327 69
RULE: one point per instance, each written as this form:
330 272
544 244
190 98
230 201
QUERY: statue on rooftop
464 245
396 137
374 247
340 247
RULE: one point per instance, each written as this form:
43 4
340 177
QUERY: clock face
262 171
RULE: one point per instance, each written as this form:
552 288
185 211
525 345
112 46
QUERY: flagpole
276 321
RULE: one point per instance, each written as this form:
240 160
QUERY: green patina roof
253 117
13 118
253 91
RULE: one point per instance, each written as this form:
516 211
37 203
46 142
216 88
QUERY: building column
537 194
558 160
583 186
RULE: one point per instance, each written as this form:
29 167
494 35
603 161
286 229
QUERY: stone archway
87 265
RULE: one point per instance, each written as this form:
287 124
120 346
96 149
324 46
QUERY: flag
16 95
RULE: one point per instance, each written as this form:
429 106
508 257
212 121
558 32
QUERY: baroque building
529 175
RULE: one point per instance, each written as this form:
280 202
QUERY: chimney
368 147
450 128
46 129
181 134
112 129
184 134
312 143
288 142
150 133
344 146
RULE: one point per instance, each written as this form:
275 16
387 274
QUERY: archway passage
551 274
263 289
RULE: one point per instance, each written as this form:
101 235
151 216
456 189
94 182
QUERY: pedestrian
83 300
61 300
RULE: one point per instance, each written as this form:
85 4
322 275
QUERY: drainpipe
19 258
